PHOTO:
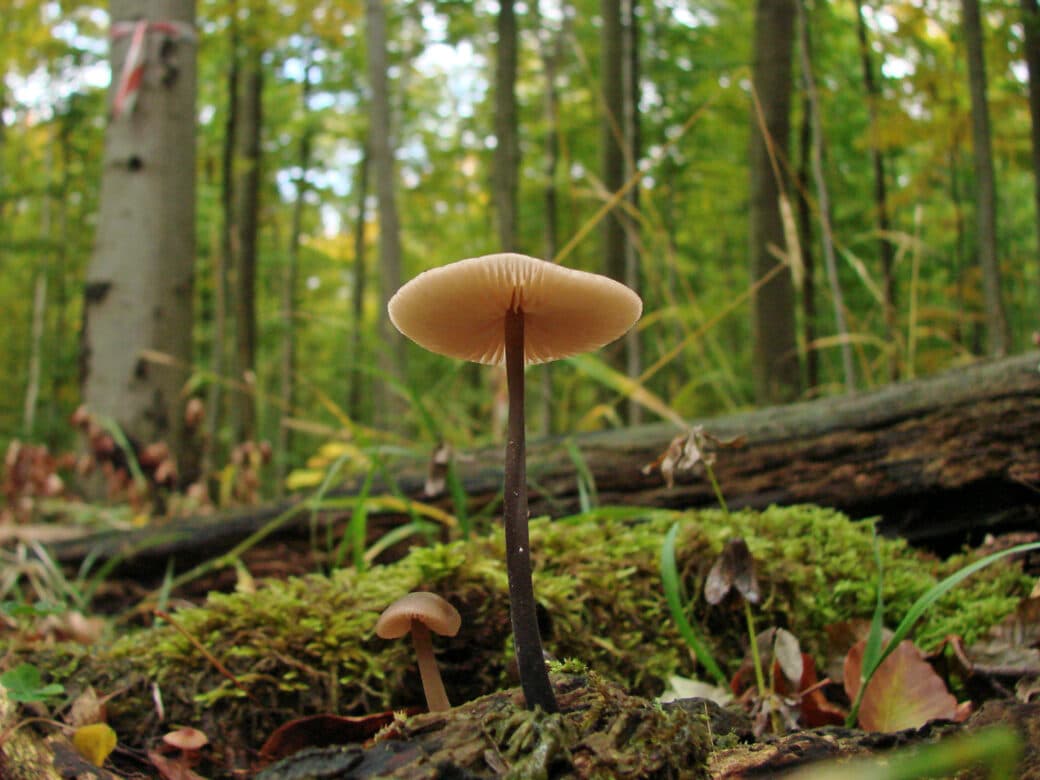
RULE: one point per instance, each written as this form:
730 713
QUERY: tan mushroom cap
459 309
428 608
186 738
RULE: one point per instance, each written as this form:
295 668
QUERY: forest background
812 197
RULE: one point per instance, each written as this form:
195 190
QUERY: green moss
306 644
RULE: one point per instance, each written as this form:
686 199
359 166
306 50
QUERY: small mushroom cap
459 309
186 738
437 614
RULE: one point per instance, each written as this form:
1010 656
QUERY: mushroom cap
459 309
428 608
186 738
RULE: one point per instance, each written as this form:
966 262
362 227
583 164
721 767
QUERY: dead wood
943 460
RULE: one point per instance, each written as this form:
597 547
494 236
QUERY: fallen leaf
904 693
95 742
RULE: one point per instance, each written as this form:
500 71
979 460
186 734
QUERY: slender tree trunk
357 305
224 260
886 251
382 150
997 332
1031 25
774 348
551 51
824 201
287 391
612 134
805 237
633 150
247 177
507 148
138 292
32 388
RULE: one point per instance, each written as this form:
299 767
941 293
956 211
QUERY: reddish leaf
904 693
321 731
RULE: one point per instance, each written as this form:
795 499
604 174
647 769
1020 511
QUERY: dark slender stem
534 679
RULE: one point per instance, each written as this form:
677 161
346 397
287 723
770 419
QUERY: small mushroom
420 613
187 742
518 310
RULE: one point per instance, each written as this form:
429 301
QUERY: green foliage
24 683
692 210
307 644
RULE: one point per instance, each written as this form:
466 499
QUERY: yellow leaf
95 742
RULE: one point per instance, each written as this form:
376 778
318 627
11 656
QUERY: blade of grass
672 594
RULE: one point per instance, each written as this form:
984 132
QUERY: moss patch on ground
307 645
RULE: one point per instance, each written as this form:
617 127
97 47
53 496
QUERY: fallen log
942 460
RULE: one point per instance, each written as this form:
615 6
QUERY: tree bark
138 293
358 382
382 151
287 391
823 201
551 51
247 178
886 251
1031 26
613 144
774 349
997 333
632 135
507 147
223 260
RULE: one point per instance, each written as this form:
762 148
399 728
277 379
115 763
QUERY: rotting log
943 460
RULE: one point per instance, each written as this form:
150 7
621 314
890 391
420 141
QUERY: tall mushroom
520 310
420 613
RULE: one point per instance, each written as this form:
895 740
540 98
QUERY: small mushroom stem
534 679
433 686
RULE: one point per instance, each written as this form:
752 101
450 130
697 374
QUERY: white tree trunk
139 283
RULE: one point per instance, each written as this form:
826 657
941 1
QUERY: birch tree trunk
997 333
138 293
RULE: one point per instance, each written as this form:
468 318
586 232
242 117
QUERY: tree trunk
1031 25
223 260
824 202
358 382
247 175
382 150
138 292
507 148
997 333
287 391
877 161
774 348
551 51
633 149
612 135
805 238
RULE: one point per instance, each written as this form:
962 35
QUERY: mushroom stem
433 686
534 679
